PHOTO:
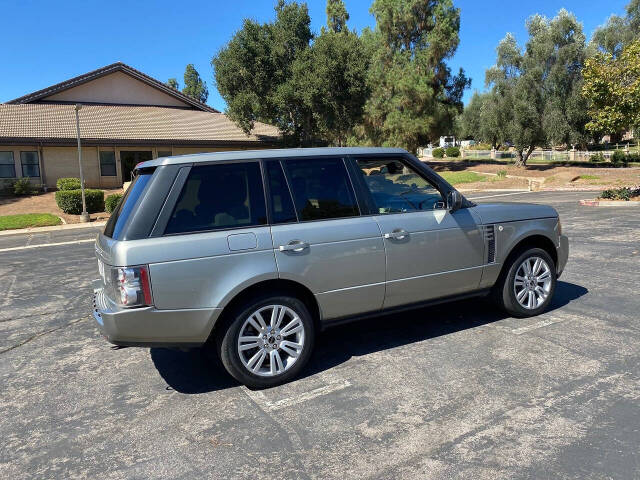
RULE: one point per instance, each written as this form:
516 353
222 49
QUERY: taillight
131 286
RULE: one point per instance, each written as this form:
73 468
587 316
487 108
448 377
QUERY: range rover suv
254 252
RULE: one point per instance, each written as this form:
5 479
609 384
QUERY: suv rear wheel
268 341
528 285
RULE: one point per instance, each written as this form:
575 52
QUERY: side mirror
454 201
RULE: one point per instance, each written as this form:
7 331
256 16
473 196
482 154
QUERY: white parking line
500 195
261 399
27 247
556 318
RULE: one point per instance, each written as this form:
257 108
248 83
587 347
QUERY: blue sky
46 42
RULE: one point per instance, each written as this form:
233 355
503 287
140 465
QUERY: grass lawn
25 220
588 177
455 178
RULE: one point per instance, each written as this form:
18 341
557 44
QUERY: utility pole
84 216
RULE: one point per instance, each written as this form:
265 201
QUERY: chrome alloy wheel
271 340
532 282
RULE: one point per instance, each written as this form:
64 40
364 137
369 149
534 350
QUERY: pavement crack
41 334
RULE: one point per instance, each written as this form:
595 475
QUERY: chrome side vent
490 239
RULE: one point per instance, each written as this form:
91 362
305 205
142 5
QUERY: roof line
100 72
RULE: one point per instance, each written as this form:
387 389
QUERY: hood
512 212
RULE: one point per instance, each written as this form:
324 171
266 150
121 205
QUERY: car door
320 239
431 252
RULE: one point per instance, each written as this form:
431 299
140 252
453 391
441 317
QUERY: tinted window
397 188
281 202
7 167
219 196
30 165
120 215
108 164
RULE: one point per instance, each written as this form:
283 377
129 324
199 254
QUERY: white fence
536 155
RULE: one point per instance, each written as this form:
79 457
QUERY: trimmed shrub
70 201
69 183
438 152
22 186
452 152
111 202
619 158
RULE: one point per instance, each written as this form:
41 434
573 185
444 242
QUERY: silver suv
254 252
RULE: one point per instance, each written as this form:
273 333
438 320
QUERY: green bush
624 193
502 174
111 202
69 183
22 186
452 152
70 201
619 158
438 152
597 157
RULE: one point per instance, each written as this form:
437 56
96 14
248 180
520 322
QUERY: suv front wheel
268 341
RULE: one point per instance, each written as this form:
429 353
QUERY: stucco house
126 117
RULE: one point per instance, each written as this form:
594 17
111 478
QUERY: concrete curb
64 226
608 203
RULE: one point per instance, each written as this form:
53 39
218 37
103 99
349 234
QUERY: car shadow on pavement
199 371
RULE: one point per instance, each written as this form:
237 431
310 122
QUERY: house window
30 165
108 164
7 165
164 153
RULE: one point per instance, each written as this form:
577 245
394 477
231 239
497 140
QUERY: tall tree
337 16
194 86
414 97
254 73
612 86
618 32
173 83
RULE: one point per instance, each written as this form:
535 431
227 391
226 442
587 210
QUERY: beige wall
118 88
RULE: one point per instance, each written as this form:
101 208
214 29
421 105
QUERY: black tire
227 341
504 293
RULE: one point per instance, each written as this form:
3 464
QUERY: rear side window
219 196
121 214
321 189
281 202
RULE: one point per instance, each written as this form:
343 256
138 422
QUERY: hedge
438 152
111 202
22 186
68 183
70 201
452 152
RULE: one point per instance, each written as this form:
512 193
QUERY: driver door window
397 188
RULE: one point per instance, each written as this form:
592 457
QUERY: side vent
490 239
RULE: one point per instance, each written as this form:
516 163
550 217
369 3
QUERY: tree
337 16
414 97
254 73
173 83
612 86
618 32
194 86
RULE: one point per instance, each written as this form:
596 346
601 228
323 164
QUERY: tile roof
56 122
106 70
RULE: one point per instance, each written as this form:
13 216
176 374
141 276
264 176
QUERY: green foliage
618 32
337 16
597 157
70 201
27 220
173 83
194 86
68 183
455 178
22 186
111 202
502 174
452 152
414 97
624 193
619 158
612 87
438 152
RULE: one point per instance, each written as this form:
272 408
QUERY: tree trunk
522 156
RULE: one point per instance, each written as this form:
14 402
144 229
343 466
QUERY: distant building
447 141
127 117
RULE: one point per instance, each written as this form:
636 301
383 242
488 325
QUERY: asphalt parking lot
454 391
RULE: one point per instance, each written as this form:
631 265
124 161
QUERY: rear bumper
563 253
149 327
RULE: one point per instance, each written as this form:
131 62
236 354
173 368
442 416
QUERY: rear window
120 215
220 196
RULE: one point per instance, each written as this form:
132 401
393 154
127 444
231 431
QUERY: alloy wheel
532 282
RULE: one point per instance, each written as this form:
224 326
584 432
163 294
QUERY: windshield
121 214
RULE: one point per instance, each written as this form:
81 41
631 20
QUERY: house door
129 159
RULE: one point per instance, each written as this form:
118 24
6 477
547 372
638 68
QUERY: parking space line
270 406
27 247
557 318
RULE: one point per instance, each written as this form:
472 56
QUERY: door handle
294 246
397 234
